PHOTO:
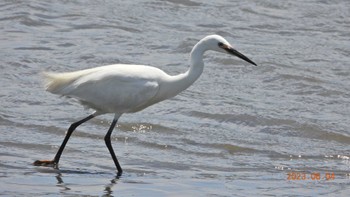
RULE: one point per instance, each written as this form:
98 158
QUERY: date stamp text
315 176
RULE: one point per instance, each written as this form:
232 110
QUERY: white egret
123 88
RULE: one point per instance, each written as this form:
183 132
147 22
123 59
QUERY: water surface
238 131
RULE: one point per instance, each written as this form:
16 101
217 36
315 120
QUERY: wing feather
109 89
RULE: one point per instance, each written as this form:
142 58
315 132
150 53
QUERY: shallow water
238 131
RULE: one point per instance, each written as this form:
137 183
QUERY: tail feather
56 82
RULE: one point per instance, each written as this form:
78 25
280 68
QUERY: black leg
60 150
109 146
69 133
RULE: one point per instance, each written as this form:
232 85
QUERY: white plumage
115 88
123 88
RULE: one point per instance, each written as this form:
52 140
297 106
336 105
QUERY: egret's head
218 43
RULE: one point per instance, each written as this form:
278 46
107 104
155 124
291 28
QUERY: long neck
183 81
197 64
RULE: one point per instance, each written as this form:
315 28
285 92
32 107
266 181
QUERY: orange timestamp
315 176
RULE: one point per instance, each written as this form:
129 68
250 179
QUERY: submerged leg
109 146
55 161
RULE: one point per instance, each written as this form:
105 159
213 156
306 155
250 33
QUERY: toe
44 163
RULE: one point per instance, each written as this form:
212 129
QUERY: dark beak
234 52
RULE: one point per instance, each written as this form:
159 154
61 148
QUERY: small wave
34 48
232 149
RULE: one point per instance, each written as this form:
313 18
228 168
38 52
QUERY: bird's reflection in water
108 188
108 191
63 187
